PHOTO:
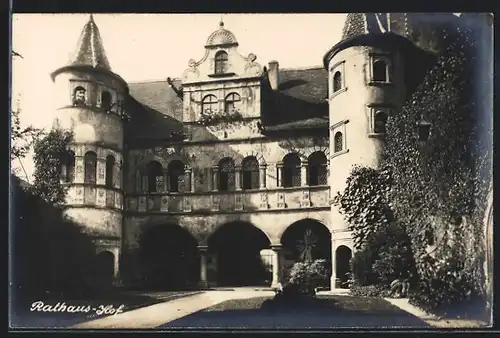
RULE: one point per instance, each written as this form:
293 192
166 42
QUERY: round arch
169 257
235 251
343 255
104 267
306 239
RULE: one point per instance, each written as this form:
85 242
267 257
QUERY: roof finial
91 18
221 23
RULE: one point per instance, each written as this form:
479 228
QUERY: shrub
308 275
376 290
385 257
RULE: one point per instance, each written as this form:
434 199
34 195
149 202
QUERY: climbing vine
49 152
364 202
440 184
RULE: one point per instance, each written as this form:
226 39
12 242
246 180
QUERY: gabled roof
300 102
90 48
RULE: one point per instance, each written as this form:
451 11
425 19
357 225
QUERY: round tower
366 87
89 102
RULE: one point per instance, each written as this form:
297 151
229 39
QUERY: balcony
258 200
94 195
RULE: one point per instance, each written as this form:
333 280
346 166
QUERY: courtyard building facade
224 175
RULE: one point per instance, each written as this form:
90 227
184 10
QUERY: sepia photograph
251 171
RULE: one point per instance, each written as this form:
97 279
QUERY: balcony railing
234 201
98 196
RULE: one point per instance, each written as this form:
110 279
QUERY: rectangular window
380 69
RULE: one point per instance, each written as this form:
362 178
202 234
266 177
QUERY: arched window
90 159
68 167
338 142
380 71
337 81
106 100
210 103
220 62
175 175
79 95
380 122
226 175
231 102
250 173
291 171
317 169
155 176
110 169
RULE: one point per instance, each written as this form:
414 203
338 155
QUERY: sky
142 47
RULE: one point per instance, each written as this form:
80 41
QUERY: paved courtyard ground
326 312
245 308
22 317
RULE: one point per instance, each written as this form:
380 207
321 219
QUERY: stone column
116 271
187 179
215 178
276 264
79 171
165 182
279 174
101 171
303 173
203 250
237 178
262 176
333 278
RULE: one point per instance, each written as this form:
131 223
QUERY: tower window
291 171
210 103
155 176
221 62
175 175
79 95
380 71
68 167
337 81
226 175
106 100
231 102
250 173
380 122
90 160
110 167
317 171
338 142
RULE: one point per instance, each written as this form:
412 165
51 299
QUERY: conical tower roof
374 23
90 49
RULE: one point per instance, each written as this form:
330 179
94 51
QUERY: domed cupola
221 38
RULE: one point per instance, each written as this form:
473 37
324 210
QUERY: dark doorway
307 239
104 269
343 257
169 258
237 247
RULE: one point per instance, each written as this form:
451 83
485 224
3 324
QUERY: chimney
273 74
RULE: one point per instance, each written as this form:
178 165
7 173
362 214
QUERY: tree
49 151
22 139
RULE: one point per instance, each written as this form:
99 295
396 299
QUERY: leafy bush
49 252
308 275
376 290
